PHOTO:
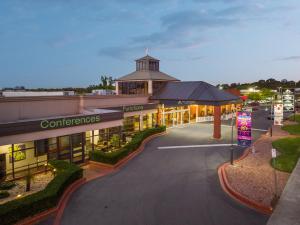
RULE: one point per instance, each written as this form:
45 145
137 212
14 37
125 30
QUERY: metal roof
197 91
147 75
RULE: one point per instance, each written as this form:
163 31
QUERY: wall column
217 122
141 122
117 87
197 109
150 88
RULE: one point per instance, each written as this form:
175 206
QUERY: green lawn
289 149
297 117
293 129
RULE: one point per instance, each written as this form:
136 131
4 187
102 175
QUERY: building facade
36 129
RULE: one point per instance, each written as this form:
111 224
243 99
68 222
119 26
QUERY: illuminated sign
133 108
288 100
69 122
278 114
244 125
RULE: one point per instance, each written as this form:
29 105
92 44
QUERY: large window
133 88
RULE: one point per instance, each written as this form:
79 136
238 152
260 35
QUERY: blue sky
62 43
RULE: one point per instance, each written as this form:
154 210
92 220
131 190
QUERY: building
36 129
11 93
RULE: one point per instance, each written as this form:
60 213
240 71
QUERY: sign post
244 125
274 155
231 147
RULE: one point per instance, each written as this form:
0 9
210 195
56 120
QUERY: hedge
18 209
115 156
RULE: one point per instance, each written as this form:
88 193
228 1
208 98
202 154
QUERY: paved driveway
164 187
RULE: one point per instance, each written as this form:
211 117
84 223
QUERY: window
41 147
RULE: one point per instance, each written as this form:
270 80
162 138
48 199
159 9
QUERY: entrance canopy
193 92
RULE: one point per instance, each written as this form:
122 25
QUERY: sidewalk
253 176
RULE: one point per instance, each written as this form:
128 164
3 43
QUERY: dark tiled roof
147 75
199 91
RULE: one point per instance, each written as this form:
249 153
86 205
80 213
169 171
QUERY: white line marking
251 128
195 146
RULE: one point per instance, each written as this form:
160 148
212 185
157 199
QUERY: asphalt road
166 186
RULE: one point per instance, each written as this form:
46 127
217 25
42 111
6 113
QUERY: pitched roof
147 75
198 91
147 57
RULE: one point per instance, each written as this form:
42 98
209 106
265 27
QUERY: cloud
182 29
290 58
189 28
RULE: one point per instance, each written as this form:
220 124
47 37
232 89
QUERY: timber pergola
199 93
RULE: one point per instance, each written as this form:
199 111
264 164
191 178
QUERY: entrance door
71 148
78 148
64 146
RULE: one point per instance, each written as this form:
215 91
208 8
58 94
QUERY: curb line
238 196
59 209
38 217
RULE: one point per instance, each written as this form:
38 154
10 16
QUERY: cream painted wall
14 109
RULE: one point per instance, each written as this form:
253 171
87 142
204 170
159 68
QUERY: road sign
274 154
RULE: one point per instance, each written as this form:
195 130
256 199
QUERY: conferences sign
244 125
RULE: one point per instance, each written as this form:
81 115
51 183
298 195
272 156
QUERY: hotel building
36 129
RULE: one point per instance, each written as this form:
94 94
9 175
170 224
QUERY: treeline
106 82
268 84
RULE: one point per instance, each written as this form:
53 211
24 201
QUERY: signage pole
231 147
272 117
274 154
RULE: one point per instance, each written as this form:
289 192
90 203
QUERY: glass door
64 146
77 148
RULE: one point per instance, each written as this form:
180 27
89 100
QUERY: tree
254 96
266 93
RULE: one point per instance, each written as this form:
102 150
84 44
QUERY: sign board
29 126
133 108
288 100
274 153
244 125
247 109
278 114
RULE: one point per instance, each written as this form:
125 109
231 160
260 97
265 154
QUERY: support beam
117 87
150 87
217 122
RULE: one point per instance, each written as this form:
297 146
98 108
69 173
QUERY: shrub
4 194
18 209
7 185
114 157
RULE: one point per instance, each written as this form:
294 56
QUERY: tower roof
147 68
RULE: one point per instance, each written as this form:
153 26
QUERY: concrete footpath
288 209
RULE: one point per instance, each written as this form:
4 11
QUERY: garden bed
23 207
112 157
38 183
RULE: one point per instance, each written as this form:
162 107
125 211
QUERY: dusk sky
63 43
